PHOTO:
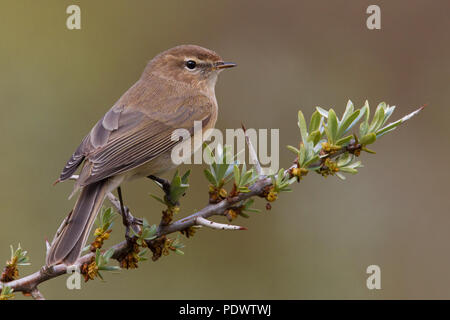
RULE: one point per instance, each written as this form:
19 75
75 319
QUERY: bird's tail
71 237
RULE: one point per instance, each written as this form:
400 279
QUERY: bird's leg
172 204
122 208
165 185
127 219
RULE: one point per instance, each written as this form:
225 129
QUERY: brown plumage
133 139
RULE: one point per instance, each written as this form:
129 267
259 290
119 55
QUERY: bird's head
189 64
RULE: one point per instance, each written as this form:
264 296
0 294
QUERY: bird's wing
126 137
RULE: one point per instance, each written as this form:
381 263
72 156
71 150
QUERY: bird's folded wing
126 138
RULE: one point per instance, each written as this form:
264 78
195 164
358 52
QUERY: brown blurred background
316 242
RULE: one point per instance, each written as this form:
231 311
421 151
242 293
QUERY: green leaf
207 153
158 199
280 176
108 254
349 170
348 110
315 136
332 125
364 127
323 112
344 141
311 161
178 251
246 177
356 164
6 293
378 118
249 203
177 189
368 138
247 207
293 149
340 176
302 126
210 177
302 155
244 215
387 113
345 124
184 178
109 268
367 111
327 133
344 160
314 124
97 256
391 126
237 175
20 256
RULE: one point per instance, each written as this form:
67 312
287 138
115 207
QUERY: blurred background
316 242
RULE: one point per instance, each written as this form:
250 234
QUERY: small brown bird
133 139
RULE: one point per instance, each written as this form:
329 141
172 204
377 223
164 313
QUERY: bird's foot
165 186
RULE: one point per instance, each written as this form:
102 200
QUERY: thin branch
28 283
36 294
215 225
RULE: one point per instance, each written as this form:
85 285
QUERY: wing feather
137 129
145 138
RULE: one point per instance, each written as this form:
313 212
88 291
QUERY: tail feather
72 236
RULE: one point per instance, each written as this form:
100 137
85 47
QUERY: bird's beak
223 65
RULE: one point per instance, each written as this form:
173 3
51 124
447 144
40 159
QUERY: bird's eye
190 64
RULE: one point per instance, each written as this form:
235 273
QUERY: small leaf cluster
99 263
307 153
142 255
174 245
104 222
243 210
327 135
370 131
102 260
280 183
243 178
6 293
147 233
336 130
220 171
247 208
140 239
221 165
223 168
18 258
190 231
133 256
